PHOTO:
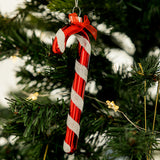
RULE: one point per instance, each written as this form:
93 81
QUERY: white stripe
81 70
66 147
73 125
61 40
77 99
84 42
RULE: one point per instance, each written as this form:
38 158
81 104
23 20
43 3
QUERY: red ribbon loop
74 19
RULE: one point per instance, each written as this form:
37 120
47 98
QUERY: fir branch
136 126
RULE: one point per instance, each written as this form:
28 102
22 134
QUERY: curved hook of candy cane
62 35
59 45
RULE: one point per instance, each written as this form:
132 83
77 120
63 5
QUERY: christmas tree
120 118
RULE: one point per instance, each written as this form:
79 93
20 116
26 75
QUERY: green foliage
145 70
133 143
36 125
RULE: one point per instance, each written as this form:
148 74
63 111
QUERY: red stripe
71 139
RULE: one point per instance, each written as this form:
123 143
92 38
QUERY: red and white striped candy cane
81 71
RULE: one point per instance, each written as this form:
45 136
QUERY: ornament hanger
76 7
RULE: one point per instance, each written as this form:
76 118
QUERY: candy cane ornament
76 28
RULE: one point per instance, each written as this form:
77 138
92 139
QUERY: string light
33 96
15 56
112 105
